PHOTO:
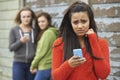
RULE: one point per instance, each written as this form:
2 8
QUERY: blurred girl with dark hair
46 34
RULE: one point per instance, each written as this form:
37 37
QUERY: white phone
26 35
77 52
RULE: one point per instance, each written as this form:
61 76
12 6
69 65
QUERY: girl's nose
79 25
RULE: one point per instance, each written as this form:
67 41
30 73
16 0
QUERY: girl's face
25 17
42 22
80 23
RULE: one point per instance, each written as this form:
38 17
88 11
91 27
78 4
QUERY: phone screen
77 52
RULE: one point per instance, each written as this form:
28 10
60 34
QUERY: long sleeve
14 44
60 70
100 50
43 48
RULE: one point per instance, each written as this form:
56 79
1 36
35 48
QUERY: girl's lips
80 31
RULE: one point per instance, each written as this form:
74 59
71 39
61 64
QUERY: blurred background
107 16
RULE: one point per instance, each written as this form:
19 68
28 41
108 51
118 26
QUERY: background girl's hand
24 39
90 31
33 71
75 61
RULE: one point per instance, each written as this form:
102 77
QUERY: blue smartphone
77 52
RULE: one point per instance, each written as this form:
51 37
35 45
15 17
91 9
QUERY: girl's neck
25 28
82 42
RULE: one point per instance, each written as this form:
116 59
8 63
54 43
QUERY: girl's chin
80 35
26 24
42 28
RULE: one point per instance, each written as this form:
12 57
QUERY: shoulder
50 32
102 41
58 41
99 39
15 28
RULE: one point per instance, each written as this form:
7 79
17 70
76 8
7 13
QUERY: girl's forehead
79 15
25 12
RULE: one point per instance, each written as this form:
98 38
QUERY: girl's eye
75 22
23 16
83 21
28 16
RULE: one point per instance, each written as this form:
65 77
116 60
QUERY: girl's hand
24 39
33 71
90 31
75 61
